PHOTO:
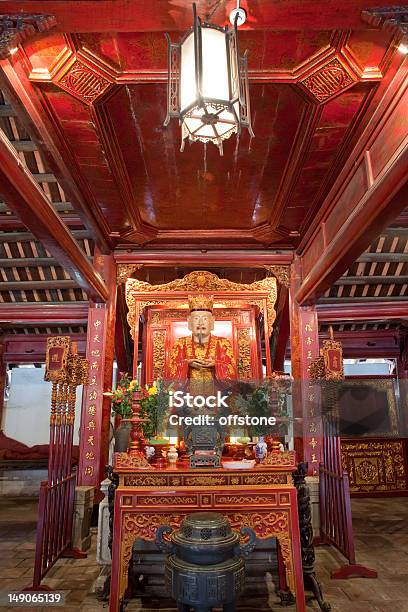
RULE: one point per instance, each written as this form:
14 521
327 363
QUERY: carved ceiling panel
106 93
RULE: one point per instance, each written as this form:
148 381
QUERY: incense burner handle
247 547
164 545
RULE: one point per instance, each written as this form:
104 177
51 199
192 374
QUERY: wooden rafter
26 101
29 202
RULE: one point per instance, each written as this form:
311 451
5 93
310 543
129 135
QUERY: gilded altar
263 498
242 312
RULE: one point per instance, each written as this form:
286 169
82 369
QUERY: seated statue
202 356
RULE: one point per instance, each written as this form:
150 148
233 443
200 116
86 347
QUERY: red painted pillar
304 337
96 409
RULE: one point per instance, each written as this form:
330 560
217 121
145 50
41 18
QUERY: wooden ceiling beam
25 146
370 191
6 110
28 236
10 222
58 206
26 199
35 115
351 312
361 300
383 257
31 348
205 257
29 262
45 314
372 280
37 285
381 343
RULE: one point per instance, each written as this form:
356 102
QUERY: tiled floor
381 538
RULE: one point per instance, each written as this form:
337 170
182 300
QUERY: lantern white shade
208 84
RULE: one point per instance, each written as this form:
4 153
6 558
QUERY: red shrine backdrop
164 325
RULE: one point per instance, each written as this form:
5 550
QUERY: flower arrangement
152 399
122 397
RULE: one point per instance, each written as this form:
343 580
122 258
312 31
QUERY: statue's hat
200 302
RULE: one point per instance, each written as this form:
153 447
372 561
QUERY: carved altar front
263 498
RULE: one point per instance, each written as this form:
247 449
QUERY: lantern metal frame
241 119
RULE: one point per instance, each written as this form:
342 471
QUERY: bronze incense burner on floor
205 568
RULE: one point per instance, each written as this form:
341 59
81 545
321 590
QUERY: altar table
263 498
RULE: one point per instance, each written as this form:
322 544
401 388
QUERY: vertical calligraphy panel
304 348
96 409
92 402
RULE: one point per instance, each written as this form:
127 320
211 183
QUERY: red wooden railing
54 528
336 525
57 494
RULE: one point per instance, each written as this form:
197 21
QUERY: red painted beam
370 191
36 314
349 312
162 15
31 348
360 344
204 257
27 200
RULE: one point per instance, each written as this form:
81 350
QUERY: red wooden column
304 338
95 420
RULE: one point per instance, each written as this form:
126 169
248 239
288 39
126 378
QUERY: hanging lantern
208 84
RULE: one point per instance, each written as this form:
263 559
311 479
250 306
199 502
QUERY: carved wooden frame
262 293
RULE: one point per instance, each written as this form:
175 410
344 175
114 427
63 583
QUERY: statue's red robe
217 349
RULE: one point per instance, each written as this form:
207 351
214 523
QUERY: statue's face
201 322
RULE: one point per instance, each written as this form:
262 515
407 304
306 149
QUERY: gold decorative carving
281 459
248 500
329 364
56 358
244 354
146 500
375 466
159 342
15 29
142 480
366 471
328 80
265 525
126 461
143 526
261 479
282 273
156 317
199 281
204 480
124 271
83 82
